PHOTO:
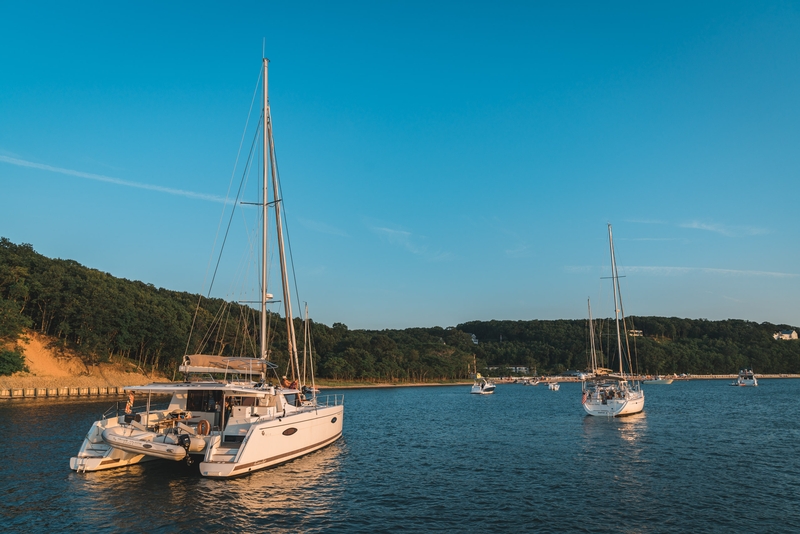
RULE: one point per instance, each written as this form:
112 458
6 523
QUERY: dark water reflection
703 457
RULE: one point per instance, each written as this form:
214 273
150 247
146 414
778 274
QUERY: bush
11 361
12 322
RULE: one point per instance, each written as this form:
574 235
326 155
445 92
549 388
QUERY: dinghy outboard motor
184 440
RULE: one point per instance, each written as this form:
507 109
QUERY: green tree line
106 318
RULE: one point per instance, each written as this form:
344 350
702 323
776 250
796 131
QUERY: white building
511 368
785 334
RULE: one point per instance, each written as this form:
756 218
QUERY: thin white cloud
522 251
397 237
407 241
728 231
674 271
650 239
111 180
645 221
580 269
322 228
677 271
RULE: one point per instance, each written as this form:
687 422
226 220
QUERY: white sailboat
238 422
612 395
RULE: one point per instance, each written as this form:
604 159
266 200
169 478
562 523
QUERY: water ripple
703 457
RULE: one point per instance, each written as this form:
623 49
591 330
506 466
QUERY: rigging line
221 216
233 210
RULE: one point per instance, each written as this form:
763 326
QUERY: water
703 457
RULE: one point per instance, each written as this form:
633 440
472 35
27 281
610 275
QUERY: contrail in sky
110 180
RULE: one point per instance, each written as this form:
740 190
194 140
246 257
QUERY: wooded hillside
101 316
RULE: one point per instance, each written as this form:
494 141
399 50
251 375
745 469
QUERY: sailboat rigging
612 394
227 413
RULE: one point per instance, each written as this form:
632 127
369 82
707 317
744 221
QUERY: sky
441 162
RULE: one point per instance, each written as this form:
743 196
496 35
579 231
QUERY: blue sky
441 162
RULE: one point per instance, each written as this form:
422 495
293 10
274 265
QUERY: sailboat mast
615 282
287 300
264 218
593 352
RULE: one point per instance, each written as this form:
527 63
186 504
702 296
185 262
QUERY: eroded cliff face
50 367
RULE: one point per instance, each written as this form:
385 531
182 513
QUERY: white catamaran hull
274 442
97 454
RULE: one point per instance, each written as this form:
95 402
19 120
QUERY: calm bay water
703 457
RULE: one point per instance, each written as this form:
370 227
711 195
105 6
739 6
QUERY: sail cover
203 363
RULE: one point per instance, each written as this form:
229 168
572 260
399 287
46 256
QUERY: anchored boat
615 394
228 414
746 378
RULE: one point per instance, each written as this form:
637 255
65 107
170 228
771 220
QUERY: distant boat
612 395
553 386
746 378
530 382
482 386
658 380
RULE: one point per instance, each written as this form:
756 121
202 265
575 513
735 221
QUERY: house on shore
785 334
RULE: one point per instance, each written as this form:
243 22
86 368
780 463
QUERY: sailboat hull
632 404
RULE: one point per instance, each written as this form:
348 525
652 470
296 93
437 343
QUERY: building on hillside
635 333
511 368
785 334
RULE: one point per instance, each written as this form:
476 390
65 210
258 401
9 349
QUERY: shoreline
82 392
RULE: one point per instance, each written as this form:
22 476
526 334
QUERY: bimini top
203 363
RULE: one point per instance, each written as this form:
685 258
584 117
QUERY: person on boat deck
285 382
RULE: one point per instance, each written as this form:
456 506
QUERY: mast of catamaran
264 222
269 147
617 305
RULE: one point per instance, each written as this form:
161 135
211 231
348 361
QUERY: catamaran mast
287 300
264 219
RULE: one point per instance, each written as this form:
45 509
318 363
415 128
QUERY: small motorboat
658 380
746 378
482 386
553 386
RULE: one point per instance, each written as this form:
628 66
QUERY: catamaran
227 414
615 394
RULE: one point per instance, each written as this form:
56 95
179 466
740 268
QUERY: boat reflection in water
630 429
284 498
